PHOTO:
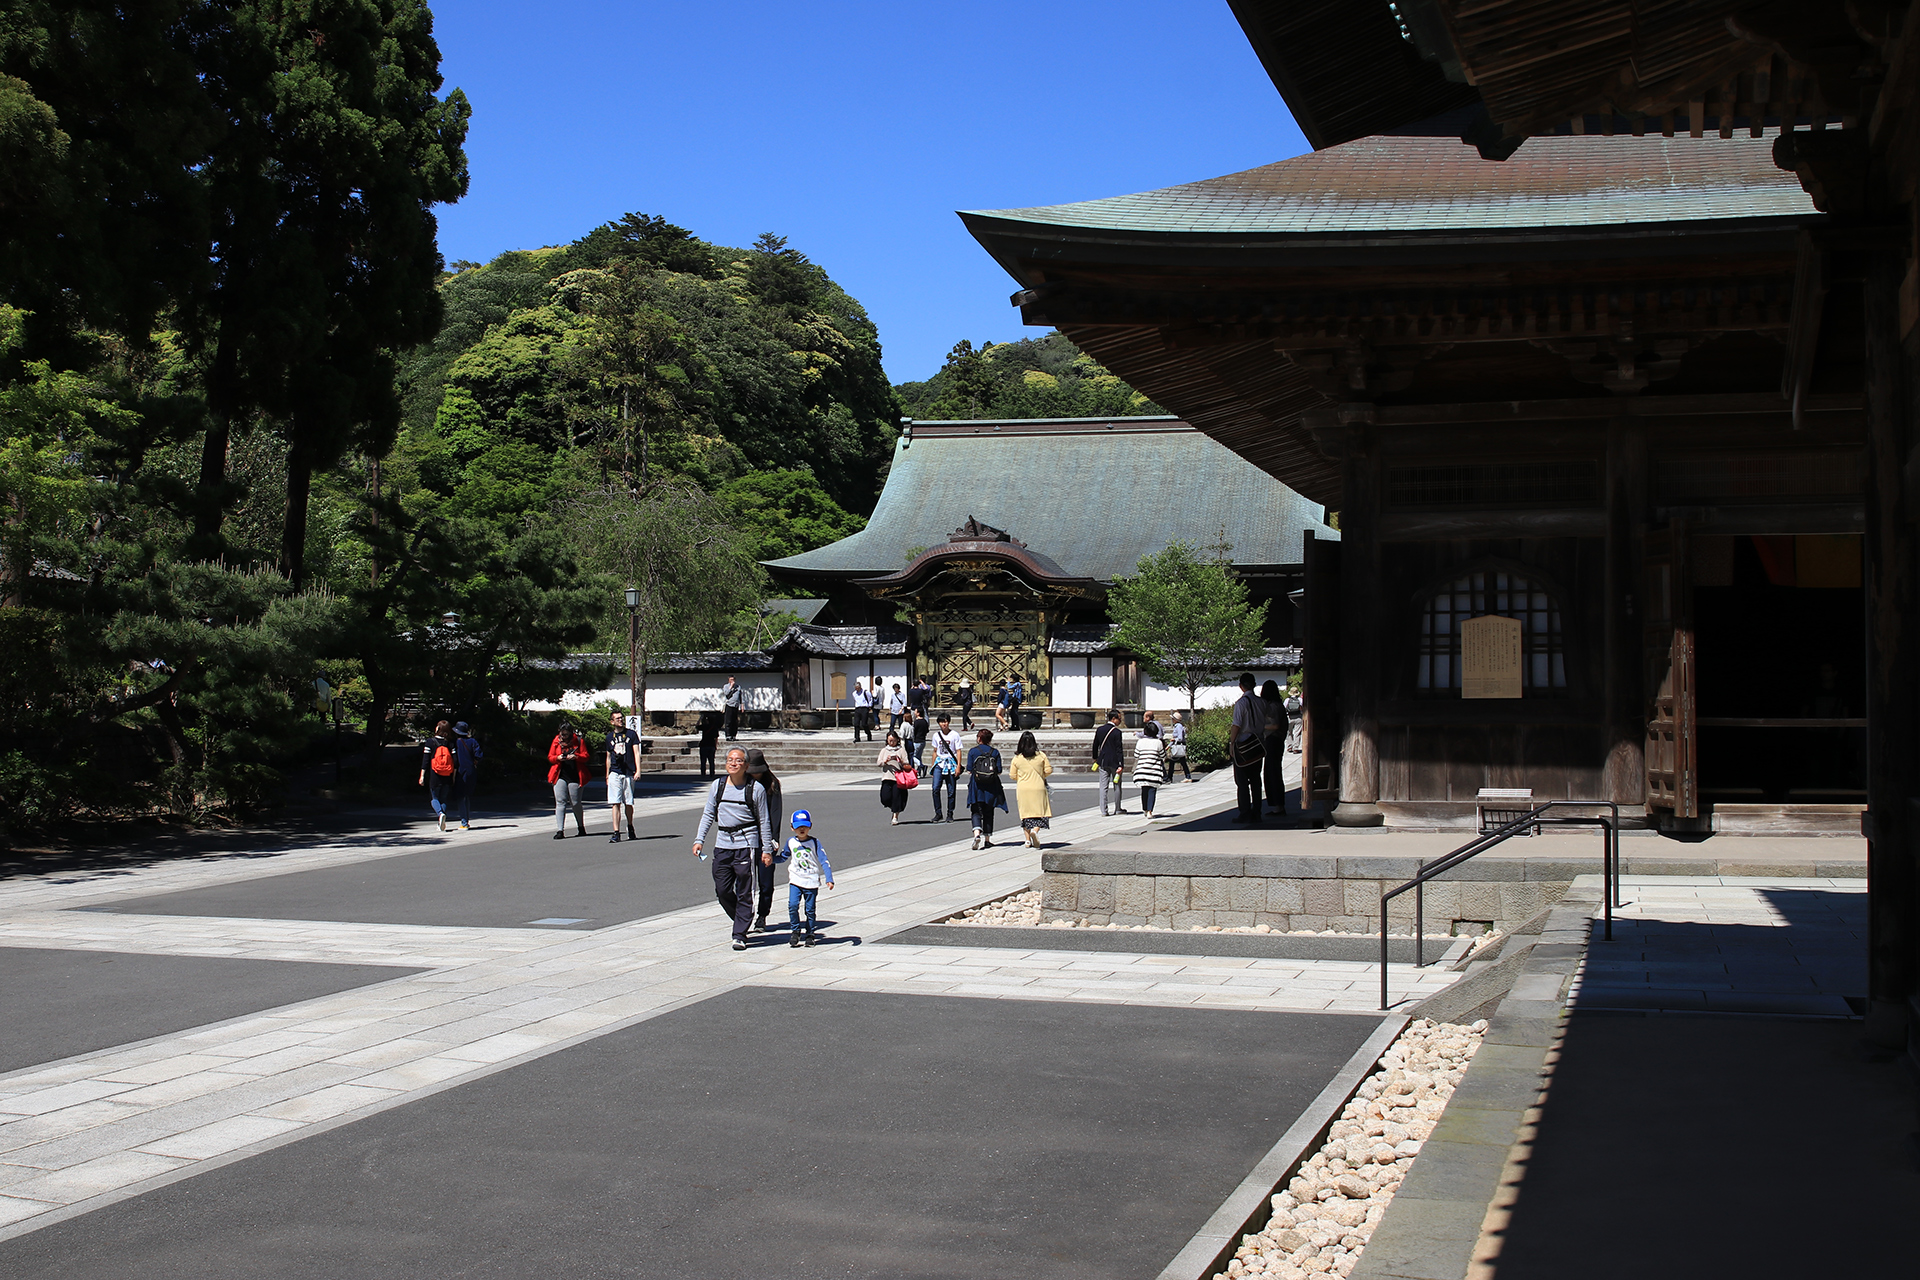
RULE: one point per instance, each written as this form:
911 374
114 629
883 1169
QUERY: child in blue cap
807 870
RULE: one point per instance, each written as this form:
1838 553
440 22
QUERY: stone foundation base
1294 893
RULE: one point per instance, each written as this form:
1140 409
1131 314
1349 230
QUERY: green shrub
1207 739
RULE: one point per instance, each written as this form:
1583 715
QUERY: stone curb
1250 1205
1357 948
1433 1223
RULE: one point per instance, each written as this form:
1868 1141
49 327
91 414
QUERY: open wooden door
1673 779
1320 665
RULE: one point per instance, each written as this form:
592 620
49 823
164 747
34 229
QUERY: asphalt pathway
763 1132
579 883
57 1003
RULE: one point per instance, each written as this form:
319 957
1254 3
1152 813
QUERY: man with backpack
437 766
1246 744
739 807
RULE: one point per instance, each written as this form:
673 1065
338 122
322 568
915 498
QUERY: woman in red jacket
568 774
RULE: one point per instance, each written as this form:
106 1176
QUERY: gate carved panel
988 648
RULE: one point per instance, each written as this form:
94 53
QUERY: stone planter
811 720
661 719
1131 718
759 719
1028 720
1081 719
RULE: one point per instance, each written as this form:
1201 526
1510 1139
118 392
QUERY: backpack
443 761
986 766
719 793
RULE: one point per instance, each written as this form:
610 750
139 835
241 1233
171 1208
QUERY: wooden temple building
1597 320
994 543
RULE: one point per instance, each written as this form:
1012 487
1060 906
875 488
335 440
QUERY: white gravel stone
1338 1195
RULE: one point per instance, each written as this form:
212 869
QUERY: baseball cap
801 818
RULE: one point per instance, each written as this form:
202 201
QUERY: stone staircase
834 753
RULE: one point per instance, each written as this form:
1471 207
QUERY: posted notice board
1490 657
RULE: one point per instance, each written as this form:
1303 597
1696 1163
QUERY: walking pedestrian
732 700
920 697
1296 715
1030 770
948 751
1149 766
807 871
623 752
466 772
1273 709
1000 708
917 738
984 790
1177 748
568 774
437 769
862 710
1110 758
897 786
760 772
896 708
709 743
1016 694
964 696
1245 747
736 818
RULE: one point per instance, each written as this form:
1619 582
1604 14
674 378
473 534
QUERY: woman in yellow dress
1031 769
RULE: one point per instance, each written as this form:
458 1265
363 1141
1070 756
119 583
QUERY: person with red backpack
436 770
568 774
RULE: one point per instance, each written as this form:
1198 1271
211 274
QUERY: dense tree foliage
1187 617
252 434
1045 377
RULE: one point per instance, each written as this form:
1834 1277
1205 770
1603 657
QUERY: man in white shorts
623 754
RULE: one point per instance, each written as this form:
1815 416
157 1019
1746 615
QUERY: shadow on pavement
1668 1143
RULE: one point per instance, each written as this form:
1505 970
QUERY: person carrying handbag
1110 758
1177 748
902 778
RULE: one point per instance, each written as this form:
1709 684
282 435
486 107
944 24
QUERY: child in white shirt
807 870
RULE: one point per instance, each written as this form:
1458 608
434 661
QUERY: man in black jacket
1110 753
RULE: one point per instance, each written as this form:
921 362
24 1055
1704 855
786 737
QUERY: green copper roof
1095 495
1426 184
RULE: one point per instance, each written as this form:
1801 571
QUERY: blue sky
853 128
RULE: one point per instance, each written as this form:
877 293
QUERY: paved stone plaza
378 1058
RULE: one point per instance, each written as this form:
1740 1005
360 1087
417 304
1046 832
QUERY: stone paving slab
740 1136
58 1003
497 997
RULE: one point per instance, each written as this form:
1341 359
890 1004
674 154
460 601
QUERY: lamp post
633 650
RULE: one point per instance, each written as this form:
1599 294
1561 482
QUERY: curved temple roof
1092 496
1411 183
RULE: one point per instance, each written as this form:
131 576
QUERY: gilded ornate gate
989 648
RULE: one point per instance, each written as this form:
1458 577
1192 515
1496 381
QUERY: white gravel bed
1023 909
1323 1219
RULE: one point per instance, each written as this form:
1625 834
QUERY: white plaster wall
681 691
1071 687
1161 697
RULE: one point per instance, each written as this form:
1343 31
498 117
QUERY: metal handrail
1609 870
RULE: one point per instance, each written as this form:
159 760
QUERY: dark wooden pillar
1893 668
1362 619
1625 771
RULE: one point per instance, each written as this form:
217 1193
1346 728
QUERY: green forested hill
654 352
1044 377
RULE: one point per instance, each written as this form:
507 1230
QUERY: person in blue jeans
467 756
807 870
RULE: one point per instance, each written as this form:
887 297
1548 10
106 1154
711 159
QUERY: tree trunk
16 559
373 481
293 535
210 505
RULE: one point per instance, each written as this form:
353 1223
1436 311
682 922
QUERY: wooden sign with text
839 681
1490 657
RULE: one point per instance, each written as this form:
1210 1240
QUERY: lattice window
1493 592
